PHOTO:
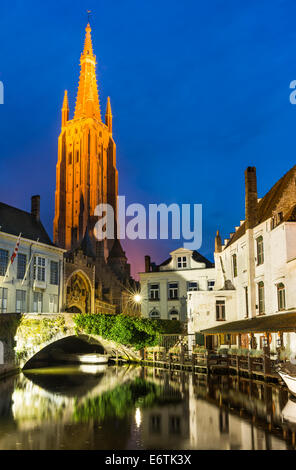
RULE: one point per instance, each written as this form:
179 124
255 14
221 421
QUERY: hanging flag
13 256
29 264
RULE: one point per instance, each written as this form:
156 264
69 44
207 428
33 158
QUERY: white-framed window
20 301
21 265
154 314
173 290
281 294
192 286
154 292
3 262
234 265
37 302
3 299
54 273
261 299
260 250
181 262
211 285
220 310
53 303
39 268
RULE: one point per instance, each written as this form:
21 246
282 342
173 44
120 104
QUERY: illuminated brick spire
65 110
87 102
108 116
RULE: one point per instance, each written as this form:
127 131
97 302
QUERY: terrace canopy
282 322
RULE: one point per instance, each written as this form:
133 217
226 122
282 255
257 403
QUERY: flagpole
28 267
12 257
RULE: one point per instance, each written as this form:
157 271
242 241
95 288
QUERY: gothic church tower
86 173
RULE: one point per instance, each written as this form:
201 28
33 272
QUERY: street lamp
137 298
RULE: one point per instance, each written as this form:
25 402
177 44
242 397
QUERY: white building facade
33 282
164 288
255 273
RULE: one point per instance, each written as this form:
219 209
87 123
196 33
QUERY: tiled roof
267 204
15 221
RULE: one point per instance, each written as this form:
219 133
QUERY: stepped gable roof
267 204
15 221
196 256
117 250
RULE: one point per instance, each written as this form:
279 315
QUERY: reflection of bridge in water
90 407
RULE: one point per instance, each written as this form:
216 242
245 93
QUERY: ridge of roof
266 203
15 221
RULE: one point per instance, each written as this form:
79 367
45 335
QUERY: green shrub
130 331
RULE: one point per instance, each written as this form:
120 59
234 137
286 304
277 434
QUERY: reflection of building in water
166 425
216 427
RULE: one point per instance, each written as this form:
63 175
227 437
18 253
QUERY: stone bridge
24 338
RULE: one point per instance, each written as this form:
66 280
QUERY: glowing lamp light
138 417
137 298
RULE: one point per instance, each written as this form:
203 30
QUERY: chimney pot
35 207
147 264
251 199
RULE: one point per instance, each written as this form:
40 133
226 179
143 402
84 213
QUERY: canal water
101 407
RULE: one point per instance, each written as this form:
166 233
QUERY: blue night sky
199 91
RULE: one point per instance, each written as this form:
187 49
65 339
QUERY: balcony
39 285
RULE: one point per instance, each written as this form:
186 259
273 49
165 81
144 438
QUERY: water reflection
100 407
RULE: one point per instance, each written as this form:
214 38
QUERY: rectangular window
182 262
3 300
247 301
21 265
281 296
39 268
261 302
154 292
173 290
234 265
211 285
20 304
174 425
54 273
260 251
37 302
155 424
192 286
220 310
3 262
53 304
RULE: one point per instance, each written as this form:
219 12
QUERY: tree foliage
131 331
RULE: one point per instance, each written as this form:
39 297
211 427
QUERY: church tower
86 173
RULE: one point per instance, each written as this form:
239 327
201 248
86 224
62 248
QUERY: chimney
251 204
218 243
35 207
147 264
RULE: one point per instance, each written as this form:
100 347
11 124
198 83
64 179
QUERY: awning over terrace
283 322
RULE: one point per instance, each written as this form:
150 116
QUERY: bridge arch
72 343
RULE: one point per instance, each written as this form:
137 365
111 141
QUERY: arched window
261 302
281 296
154 314
260 251
174 315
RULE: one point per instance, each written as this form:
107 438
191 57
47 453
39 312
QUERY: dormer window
182 262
